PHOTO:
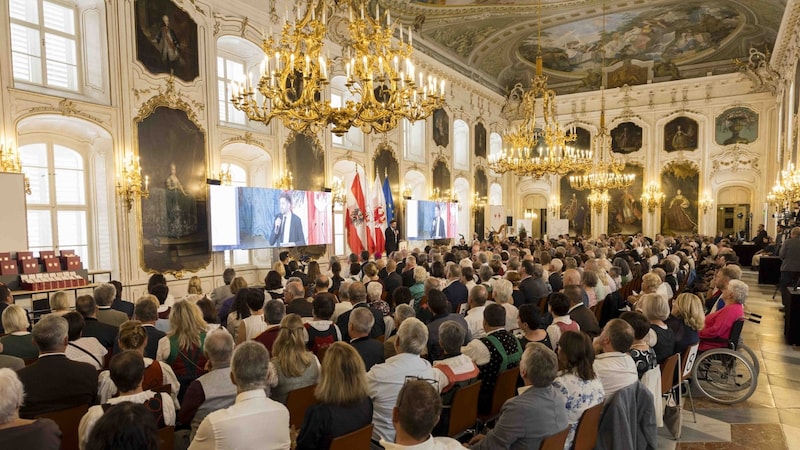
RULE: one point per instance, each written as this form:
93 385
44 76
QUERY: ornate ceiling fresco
496 42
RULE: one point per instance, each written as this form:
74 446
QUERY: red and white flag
355 219
379 216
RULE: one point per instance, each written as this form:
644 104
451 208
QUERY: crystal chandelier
531 150
607 173
383 82
652 197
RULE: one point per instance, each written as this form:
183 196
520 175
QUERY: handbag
673 417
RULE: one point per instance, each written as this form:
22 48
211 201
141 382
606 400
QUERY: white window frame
42 30
237 258
224 116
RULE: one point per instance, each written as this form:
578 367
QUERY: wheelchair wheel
751 357
724 375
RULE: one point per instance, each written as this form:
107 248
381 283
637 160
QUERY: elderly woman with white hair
656 310
374 293
718 324
502 296
41 434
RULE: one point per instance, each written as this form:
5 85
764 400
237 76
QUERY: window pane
27 68
24 10
71 228
60 49
70 187
57 17
34 163
241 257
33 155
238 175
25 40
40 232
220 67
66 158
234 70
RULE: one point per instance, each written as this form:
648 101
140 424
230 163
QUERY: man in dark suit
296 303
761 238
532 284
146 311
288 227
55 382
358 297
578 312
119 304
456 291
392 281
295 271
359 326
408 271
437 303
392 237
790 268
438 230
103 332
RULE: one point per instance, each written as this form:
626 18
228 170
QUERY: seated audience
502 296
455 290
344 404
437 303
222 293
478 297
357 294
295 365
126 426
6 299
718 324
10 362
213 390
686 320
321 331
274 312
18 340
540 400
494 353
239 312
75 383
273 285
15 432
158 279
254 324
559 308
370 350
459 369
613 365
296 301
104 296
60 303
182 347
578 312
401 313
127 373
103 332
209 314
656 309
374 292
529 326
133 336
254 421
577 381
83 349
643 355
343 301
225 307
416 412
146 312
385 380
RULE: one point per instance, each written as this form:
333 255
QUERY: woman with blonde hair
281 269
344 402
182 347
132 336
59 303
195 286
650 284
686 321
656 309
296 367
18 340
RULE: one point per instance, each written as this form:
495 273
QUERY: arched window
460 145
414 140
57 207
51 43
495 194
237 61
495 144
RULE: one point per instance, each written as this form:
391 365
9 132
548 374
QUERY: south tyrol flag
387 195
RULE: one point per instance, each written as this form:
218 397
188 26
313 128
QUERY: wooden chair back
297 402
68 421
504 389
166 438
668 368
598 309
321 353
556 441
586 432
543 304
357 439
464 409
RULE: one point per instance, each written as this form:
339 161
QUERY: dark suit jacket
296 235
123 306
54 383
301 307
556 282
371 350
392 238
442 231
790 255
586 320
534 290
390 283
456 294
378 329
408 278
103 332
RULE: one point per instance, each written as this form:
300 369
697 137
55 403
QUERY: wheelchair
728 375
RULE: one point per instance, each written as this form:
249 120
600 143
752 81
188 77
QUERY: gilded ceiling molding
171 98
247 138
736 158
66 107
413 9
759 71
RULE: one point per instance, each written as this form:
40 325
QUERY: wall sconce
10 162
478 202
129 182
554 206
706 203
652 197
338 195
598 200
406 192
530 214
225 175
286 182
